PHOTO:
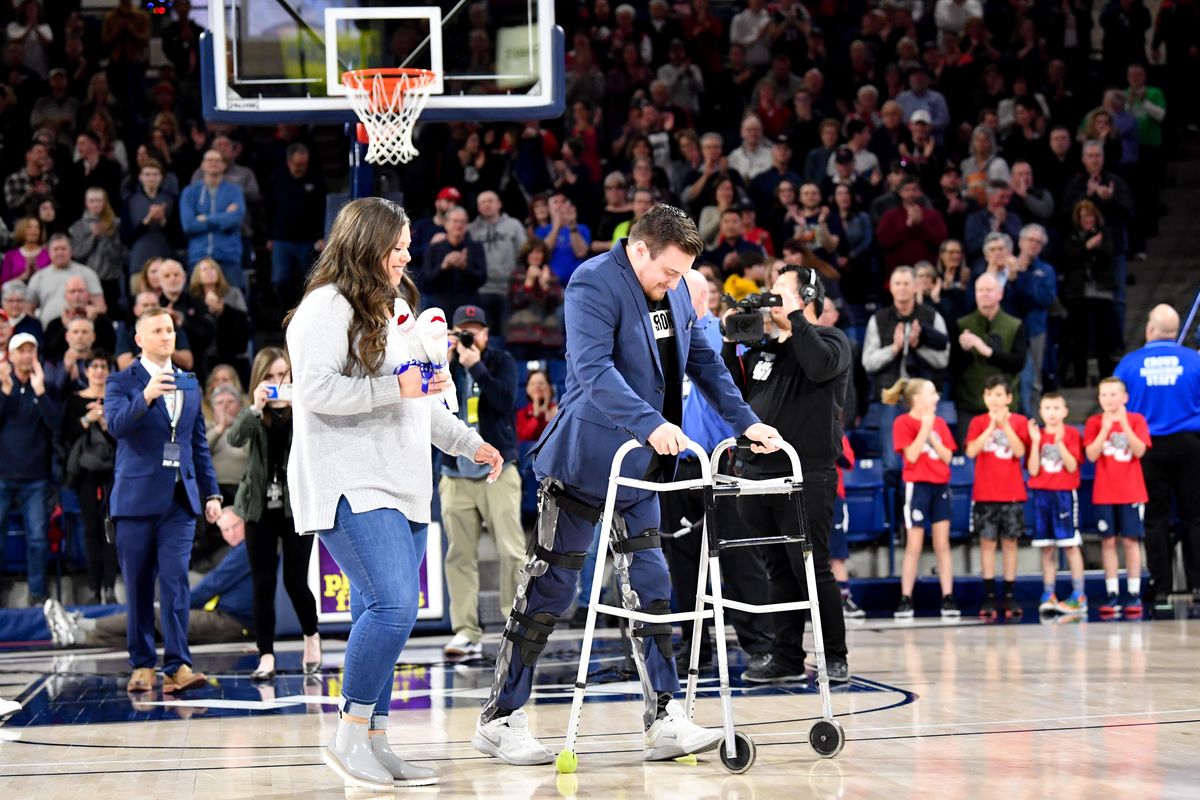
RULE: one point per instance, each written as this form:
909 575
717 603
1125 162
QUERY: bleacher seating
866 501
962 478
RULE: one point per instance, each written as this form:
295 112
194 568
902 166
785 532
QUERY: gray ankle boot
404 774
349 755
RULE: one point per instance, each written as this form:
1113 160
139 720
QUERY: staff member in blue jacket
1163 381
163 480
631 337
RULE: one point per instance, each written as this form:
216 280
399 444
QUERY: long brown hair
262 364
196 286
363 235
107 216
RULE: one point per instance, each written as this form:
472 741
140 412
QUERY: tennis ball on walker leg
567 762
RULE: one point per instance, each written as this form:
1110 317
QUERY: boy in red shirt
1116 440
1054 458
998 440
839 547
925 442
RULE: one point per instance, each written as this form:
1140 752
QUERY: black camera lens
466 338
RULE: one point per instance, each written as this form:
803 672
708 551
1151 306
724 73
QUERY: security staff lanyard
171 450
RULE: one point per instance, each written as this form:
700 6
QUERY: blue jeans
380 551
290 262
32 497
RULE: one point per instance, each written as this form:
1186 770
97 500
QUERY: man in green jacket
990 342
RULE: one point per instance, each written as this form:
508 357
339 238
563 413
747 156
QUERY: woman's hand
486 454
410 384
260 397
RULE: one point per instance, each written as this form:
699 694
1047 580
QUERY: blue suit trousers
158 547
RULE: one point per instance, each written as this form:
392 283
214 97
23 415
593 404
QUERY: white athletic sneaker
508 739
9 707
675 736
59 623
461 646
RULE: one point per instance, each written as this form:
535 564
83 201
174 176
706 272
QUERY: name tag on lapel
662 324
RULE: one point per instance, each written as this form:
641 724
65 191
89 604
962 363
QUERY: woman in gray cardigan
360 470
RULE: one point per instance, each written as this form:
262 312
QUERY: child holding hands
926 444
1054 457
1116 440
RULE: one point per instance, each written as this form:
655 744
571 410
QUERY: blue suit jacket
142 486
615 386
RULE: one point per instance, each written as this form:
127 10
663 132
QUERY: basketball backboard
269 61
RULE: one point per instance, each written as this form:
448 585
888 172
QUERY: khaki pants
467 505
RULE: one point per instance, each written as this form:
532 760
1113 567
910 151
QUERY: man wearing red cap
429 230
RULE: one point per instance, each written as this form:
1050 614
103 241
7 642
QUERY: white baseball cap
20 339
921 115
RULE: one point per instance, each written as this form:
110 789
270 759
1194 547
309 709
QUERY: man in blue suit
162 465
631 337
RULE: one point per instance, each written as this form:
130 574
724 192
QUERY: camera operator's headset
811 288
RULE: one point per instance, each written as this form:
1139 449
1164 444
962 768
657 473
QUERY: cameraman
797 382
486 381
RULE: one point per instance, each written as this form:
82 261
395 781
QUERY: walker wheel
827 737
744 758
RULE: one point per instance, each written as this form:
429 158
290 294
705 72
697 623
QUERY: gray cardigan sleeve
318 341
450 434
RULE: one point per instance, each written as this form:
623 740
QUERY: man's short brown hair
151 313
665 225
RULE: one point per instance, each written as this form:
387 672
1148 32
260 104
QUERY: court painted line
603 752
1029 721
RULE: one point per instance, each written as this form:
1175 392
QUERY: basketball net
388 101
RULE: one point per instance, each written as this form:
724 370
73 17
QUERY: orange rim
388 76
380 84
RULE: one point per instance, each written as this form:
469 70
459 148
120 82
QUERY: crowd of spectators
974 184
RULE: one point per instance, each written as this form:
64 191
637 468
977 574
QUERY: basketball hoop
388 101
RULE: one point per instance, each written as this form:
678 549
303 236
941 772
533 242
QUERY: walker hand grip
744 443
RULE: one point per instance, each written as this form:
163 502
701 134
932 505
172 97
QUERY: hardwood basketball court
961 710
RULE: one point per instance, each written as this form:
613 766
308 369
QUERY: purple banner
334 587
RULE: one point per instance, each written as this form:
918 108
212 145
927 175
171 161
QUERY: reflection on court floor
959 711
73 695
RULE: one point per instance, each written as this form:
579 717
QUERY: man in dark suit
632 335
162 465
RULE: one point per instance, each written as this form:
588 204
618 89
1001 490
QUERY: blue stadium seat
866 501
962 479
1087 511
865 442
14 544
947 411
872 417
